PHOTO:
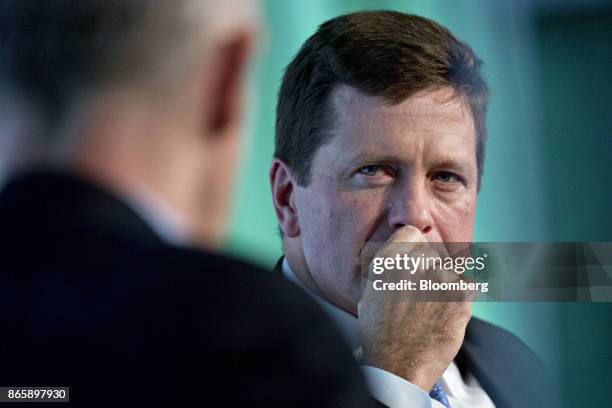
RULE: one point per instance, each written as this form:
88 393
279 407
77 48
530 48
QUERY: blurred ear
282 184
226 93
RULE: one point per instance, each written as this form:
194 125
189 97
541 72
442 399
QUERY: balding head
54 52
129 93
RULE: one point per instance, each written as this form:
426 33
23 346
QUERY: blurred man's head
131 93
380 124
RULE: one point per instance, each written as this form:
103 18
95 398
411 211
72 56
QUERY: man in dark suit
118 159
380 139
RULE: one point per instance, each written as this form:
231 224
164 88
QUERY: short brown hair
381 53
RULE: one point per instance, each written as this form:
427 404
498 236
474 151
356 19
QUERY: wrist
412 370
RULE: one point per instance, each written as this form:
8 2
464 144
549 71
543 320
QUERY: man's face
385 167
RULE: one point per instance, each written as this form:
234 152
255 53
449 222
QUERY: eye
446 177
370 171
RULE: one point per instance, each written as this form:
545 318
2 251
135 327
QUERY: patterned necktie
439 395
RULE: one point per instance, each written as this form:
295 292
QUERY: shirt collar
161 218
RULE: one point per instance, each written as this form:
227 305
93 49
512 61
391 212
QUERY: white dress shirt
390 389
158 215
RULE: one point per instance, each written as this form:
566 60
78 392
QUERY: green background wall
547 173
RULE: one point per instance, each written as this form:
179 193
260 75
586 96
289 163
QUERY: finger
401 242
425 257
407 234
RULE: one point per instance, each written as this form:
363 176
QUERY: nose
411 205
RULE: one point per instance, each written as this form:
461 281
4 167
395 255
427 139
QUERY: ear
226 84
282 184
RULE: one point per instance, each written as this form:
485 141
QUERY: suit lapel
486 366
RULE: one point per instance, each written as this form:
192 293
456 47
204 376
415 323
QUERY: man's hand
404 332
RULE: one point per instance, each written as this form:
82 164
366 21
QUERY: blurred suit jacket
93 299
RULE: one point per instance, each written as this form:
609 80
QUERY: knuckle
408 233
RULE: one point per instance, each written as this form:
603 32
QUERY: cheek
356 215
455 221
334 231
340 217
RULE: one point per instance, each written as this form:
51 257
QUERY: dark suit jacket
91 298
510 372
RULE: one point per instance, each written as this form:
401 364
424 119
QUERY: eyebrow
367 157
451 164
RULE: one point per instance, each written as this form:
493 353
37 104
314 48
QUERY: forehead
435 121
441 108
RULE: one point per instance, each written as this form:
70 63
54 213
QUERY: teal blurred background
547 172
